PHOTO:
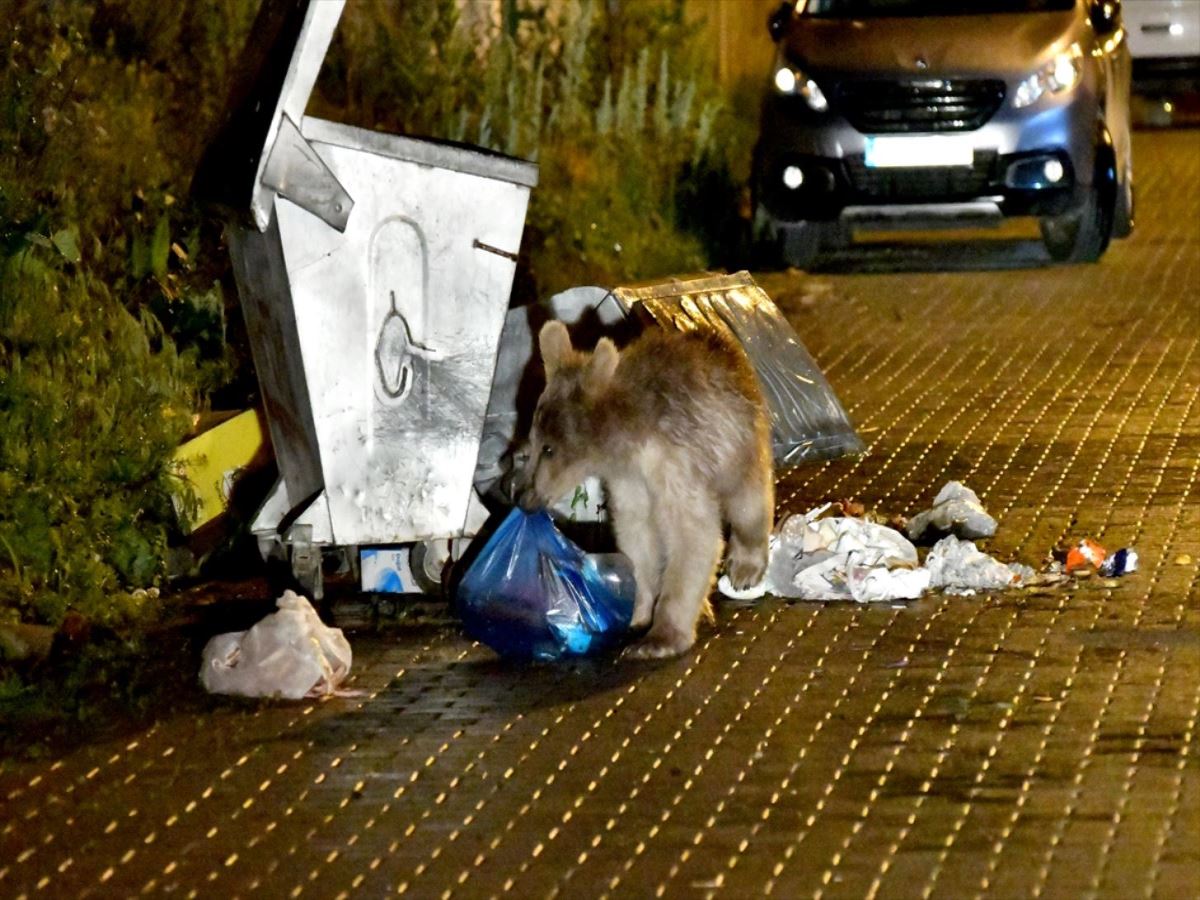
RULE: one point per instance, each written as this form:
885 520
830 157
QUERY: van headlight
1058 76
790 81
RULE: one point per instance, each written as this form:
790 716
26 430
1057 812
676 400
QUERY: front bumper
1015 183
1008 152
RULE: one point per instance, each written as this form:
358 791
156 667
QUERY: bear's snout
528 499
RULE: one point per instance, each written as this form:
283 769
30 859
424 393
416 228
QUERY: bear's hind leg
750 509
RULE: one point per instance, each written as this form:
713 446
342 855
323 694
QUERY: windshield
873 8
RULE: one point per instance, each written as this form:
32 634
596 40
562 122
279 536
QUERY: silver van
926 112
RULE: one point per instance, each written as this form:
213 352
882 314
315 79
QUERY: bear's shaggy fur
676 428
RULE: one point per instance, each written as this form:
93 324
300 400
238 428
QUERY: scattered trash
959 567
291 654
956 510
841 558
1120 563
1088 555
851 507
533 594
870 585
860 559
1184 559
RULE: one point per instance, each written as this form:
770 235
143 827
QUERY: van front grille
883 107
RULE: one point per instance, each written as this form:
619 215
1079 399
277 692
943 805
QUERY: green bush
112 312
93 399
617 104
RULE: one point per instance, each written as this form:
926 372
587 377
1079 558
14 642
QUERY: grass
619 109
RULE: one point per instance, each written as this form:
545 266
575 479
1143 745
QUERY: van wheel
1083 235
802 243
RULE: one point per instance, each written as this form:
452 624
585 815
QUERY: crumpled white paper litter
847 558
838 558
290 653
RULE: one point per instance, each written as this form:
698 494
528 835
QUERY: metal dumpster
374 274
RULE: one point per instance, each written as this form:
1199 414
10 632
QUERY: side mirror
778 21
1105 15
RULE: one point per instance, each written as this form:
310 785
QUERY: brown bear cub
676 428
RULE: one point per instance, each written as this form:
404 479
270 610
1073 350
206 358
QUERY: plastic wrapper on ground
1086 555
956 510
1122 562
533 594
874 585
959 567
290 653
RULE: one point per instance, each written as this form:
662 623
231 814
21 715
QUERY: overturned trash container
374 273
808 422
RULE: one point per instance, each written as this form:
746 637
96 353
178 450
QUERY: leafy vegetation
111 334
617 103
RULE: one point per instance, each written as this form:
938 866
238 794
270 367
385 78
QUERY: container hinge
295 171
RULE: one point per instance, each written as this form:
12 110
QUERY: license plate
895 152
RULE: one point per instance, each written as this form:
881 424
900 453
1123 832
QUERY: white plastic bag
959 567
291 654
956 510
873 585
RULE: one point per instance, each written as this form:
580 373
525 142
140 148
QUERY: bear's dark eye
547 450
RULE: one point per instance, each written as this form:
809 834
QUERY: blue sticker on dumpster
533 594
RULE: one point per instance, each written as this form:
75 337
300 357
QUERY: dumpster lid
278 68
465 158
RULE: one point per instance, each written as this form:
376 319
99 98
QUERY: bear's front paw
659 646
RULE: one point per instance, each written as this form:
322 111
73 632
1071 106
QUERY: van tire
1081 236
801 244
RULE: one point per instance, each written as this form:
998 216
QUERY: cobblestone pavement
1019 744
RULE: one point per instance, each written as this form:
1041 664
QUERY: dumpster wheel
429 562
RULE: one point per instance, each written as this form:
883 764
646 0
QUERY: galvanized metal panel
468 160
320 21
262 280
398 320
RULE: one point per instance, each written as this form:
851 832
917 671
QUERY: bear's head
562 448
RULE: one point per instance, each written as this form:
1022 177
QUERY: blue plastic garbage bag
533 594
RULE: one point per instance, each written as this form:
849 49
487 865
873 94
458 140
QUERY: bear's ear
555 344
601 366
